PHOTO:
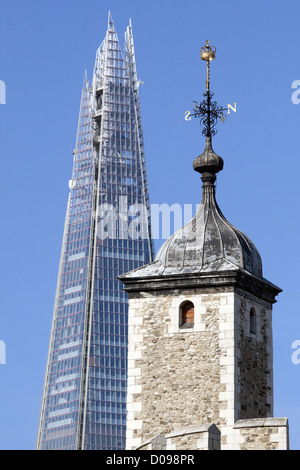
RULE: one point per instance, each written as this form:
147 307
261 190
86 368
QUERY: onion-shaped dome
209 242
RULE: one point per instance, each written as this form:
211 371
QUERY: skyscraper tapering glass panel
107 232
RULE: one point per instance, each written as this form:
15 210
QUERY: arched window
186 315
253 321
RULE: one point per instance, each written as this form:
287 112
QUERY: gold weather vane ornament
208 53
208 111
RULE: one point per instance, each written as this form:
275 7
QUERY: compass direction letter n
231 107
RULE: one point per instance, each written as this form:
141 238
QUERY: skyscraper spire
84 399
110 24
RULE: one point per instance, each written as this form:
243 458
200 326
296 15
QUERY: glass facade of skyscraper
107 232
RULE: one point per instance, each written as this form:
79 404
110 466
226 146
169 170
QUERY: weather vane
208 111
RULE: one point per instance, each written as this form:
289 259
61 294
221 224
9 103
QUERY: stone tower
200 372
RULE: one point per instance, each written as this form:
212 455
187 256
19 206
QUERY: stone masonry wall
263 434
255 361
249 434
216 372
201 437
176 377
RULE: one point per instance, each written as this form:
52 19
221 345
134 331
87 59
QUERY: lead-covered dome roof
209 242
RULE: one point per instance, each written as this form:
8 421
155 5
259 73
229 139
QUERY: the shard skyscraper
107 232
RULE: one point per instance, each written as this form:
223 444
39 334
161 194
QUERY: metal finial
208 53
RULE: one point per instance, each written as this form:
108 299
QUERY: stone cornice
259 287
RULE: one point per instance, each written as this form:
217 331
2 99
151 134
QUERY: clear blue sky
45 46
